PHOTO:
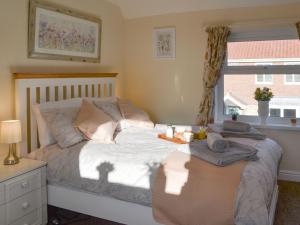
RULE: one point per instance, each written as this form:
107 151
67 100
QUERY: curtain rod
259 23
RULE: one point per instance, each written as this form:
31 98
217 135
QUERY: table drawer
23 205
34 218
21 185
2 194
2 214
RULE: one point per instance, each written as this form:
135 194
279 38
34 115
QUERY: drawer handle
26 224
25 205
24 184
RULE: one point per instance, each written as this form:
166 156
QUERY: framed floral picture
164 43
62 34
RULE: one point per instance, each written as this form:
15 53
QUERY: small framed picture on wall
164 43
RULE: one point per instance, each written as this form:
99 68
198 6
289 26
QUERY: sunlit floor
288 210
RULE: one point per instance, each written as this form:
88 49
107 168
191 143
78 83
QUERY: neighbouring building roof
264 49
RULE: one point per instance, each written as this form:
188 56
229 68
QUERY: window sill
273 126
277 127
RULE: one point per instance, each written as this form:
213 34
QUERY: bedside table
23 193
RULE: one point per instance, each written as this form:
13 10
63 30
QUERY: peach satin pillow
133 116
95 124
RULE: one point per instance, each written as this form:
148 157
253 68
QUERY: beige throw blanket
190 191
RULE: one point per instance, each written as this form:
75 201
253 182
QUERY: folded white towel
229 125
217 143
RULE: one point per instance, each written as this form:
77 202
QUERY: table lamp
10 133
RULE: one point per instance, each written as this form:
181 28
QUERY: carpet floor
287 213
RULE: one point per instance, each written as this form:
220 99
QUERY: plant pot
263 111
234 117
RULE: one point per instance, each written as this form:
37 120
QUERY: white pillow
95 124
60 121
45 136
133 116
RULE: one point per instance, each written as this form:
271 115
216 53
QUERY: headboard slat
64 92
99 90
28 118
35 88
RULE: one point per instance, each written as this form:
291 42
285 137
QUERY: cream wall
170 90
13 46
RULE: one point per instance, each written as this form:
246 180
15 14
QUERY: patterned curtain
298 28
214 57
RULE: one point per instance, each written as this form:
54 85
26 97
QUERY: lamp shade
10 131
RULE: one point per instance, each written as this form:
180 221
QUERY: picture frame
164 43
59 33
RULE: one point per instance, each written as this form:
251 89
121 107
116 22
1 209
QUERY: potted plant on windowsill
263 97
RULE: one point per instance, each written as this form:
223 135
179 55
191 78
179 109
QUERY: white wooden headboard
39 88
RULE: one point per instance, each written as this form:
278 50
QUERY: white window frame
264 79
289 108
285 75
280 110
264 75
286 82
278 34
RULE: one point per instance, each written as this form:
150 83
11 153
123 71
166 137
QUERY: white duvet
126 170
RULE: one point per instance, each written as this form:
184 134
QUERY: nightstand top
24 166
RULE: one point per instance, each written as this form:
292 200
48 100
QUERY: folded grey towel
236 153
217 143
253 133
229 125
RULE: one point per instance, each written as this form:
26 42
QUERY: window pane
275 112
260 78
297 77
268 78
289 113
273 52
239 87
239 95
289 78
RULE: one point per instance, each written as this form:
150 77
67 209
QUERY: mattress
126 170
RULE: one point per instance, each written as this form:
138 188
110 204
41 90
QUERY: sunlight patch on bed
108 168
176 177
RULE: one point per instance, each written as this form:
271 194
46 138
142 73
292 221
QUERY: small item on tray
179 135
202 133
174 139
188 136
170 131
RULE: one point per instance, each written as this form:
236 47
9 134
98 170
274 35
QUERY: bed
107 187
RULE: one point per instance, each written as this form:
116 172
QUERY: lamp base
11 158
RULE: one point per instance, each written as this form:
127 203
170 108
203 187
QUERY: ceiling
141 8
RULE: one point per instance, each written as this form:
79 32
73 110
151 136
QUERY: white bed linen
125 170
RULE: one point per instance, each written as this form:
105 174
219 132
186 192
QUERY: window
275 112
289 113
293 79
260 60
263 78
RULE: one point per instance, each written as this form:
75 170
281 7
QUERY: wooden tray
174 139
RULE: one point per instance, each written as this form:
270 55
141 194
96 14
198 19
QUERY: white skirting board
289 175
112 209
